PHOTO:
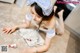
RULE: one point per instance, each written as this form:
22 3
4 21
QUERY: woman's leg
60 29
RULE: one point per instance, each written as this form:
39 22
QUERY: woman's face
37 17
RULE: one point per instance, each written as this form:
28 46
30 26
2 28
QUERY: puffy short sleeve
28 17
50 33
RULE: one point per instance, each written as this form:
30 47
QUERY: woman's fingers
6 30
12 31
9 30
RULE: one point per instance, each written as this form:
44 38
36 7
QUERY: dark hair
39 11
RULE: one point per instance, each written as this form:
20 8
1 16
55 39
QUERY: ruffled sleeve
28 17
50 33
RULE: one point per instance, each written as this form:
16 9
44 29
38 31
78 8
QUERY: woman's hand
9 30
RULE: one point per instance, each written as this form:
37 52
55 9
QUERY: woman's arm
39 49
16 27
25 24
46 46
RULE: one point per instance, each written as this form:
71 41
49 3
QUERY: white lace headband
44 4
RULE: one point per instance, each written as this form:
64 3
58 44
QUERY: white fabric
50 33
33 35
44 4
29 17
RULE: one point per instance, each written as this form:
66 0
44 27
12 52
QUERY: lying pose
43 22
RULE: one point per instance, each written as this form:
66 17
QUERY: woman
39 17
